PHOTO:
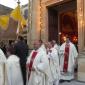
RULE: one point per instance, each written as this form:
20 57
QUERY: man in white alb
68 56
38 67
42 45
54 63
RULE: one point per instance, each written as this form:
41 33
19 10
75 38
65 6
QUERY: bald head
36 44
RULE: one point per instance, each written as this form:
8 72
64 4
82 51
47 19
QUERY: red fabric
66 58
31 62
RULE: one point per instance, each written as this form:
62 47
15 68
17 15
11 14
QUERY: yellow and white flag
17 16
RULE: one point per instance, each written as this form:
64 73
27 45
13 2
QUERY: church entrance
62 21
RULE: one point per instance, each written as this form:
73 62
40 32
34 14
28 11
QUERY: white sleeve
61 50
43 64
2 56
75 51
55 60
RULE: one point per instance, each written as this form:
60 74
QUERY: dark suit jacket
21 50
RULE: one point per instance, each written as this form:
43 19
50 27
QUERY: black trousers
23 70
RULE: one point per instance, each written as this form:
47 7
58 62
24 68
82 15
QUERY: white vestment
56 47
69 75
3 76
54 65
14 71
43 47
41 75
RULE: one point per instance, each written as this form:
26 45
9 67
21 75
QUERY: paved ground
72 83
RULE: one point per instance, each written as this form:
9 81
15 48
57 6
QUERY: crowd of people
47 64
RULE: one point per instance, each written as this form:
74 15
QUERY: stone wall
39 19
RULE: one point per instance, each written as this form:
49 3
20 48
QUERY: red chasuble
66 57
31 63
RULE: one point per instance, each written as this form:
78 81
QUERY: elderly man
68 55
42 45
3 76
54 63
38 67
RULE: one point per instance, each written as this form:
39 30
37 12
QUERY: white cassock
54 65
14 71
43 47
3 76
41 75
56 47
69 75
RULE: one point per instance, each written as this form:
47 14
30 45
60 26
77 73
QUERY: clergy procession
47 64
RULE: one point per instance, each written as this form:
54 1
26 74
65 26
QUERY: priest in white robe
3 76
68 56
42 45
13 69
54 63
55 45
38 67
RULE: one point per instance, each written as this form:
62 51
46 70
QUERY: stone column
34 22
81 39
81 28
44 21
29 22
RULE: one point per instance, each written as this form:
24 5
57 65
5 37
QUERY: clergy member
42 45
55 45
54 63
13 69
68 55
38 67
3 76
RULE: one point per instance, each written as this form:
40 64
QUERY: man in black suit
21 50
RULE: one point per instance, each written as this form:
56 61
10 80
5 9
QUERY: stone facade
39 20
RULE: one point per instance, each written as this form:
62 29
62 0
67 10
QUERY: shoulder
13 58
72 44
63 44
1 51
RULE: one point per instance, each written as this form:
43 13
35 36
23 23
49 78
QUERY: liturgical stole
66 57
31 63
